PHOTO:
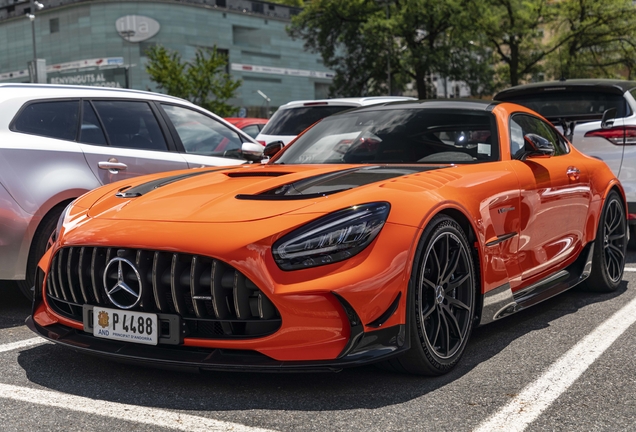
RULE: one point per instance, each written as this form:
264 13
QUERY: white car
58 142
296 116
597 115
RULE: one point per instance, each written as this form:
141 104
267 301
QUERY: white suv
294 117
599 118
58 142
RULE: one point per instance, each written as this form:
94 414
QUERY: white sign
281 71
136 28
103 62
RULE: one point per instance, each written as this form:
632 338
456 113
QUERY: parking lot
510 377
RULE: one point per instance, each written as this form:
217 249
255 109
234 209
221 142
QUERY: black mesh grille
213 299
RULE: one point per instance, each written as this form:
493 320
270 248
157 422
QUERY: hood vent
334 182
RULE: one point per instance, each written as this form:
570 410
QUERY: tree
599 39
566 38
203 81
362 40
515 31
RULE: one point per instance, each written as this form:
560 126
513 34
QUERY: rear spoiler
568 122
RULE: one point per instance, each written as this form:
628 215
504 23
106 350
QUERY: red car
250 125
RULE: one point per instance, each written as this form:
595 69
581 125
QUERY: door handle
112 165
573 173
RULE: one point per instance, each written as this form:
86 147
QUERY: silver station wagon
58 142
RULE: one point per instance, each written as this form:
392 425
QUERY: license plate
137 327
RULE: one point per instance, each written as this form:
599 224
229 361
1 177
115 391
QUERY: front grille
213 299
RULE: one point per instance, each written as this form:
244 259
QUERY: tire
632 238
610 247
41 242
441 300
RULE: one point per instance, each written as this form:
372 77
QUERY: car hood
238 194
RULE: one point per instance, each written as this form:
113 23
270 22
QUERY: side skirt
501 301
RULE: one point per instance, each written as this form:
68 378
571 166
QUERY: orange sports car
382 234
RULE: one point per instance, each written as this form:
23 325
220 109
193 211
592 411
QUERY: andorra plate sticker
129 326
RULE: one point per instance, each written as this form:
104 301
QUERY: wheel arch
466 225
52 204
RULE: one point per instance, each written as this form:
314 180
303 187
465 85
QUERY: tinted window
251 130
131 124
49 119
295 120
521 124
91 131
552 104
203 135
398 136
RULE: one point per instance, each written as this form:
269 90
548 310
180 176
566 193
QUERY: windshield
295 120
398 136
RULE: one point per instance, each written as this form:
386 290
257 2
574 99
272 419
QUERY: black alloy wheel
441 300
610 247
446 295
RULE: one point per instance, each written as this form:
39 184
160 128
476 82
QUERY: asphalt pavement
505 381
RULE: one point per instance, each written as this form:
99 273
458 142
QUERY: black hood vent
334 182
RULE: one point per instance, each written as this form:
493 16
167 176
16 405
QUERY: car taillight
619 135
261 142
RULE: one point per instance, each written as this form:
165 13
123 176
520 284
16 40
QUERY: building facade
102 42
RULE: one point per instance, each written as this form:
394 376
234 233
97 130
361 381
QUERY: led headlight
332 238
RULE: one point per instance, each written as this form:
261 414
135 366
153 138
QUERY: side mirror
536 145
252 151
608 118
273 148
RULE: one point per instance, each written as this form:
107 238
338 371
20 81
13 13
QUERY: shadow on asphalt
368 387
14 306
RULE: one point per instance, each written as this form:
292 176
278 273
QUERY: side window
56 119
91 131
251 130
522 124
131 124
203 135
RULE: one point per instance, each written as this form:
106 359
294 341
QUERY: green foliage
296 3
599 39
488 44
566 38
203 81
361 40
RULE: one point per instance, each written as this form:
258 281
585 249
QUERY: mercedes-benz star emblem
123 289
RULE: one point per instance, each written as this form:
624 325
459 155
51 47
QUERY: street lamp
127 35
31 16
267 101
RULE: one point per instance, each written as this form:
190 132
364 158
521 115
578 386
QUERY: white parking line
132 413
22 344
630 269
524 408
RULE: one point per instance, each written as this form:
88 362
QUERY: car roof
246 120
601 85
352 101
54 90
464 104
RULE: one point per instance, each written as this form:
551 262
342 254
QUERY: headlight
332 238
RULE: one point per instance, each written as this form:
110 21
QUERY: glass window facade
81 45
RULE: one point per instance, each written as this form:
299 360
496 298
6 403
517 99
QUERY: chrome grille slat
52 276
70 275
213 299
59 275
81 269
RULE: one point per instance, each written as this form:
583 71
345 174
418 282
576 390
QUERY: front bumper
366 348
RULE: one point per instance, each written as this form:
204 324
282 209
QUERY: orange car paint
527 200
